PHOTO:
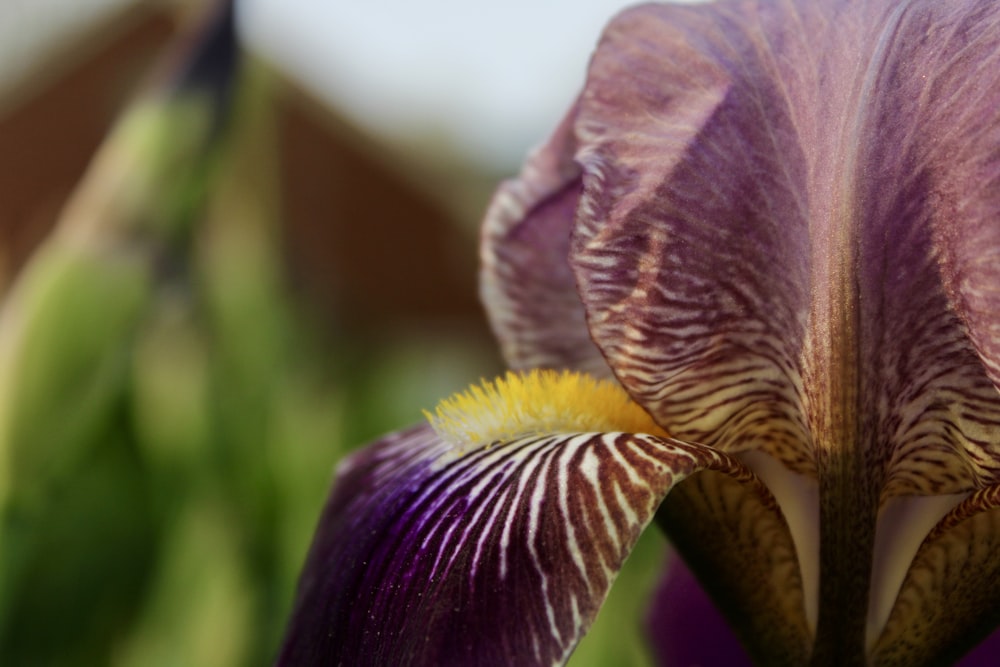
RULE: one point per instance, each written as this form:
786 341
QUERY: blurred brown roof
361 241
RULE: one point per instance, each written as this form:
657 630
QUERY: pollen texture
538 402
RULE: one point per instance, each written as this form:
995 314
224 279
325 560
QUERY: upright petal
478 551
692 244
786 241
764 179
526 283
934 170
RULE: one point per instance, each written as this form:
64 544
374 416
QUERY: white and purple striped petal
498 554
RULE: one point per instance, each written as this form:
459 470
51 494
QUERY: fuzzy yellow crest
545 401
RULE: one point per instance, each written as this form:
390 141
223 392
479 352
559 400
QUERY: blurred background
214 286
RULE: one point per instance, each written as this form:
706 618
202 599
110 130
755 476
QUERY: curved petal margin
497 553
692 242
950 598
737 543
526 283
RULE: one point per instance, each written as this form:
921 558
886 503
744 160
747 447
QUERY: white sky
491 78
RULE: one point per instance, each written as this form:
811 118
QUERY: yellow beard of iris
537 402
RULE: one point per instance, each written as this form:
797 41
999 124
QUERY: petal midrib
843 417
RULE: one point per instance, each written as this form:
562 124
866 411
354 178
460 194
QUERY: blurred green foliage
170 420
166 436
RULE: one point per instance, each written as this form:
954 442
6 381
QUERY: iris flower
750 291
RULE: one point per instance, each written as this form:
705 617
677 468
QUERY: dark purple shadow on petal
987 654
686 629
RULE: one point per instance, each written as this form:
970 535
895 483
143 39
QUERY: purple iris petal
498 555
776 224
787 241
987 654
685 627
526 277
